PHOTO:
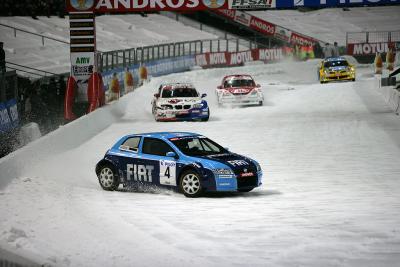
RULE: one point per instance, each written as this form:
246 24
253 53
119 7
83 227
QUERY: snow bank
61 140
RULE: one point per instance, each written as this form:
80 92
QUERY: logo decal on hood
238 162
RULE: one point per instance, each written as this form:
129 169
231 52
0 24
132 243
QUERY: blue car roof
166 135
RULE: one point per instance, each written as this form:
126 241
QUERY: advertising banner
332 3
109 6
251 4
5 121
230 59
9 118
226 13
12 108
138 73
242 18
282 33
302 40
368 48
262 26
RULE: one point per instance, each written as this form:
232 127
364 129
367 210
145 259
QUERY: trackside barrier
390 94
71 135
117 78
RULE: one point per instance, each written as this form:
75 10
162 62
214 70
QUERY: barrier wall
139 73
390 94
64 138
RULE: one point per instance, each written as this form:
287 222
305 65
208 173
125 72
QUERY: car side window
131 144
155 146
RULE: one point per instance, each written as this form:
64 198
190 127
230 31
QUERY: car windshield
339 63
179 92
238 83
197 146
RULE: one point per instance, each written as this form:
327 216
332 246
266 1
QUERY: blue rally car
189 162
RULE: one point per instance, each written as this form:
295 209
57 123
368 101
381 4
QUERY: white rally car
239 89
179 102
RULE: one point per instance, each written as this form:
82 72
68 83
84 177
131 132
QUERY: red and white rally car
239 89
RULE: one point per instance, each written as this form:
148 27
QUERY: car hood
237 163
179 101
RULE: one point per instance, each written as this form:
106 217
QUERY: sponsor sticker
251 4
242 18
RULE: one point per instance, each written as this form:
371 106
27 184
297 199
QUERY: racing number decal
167 172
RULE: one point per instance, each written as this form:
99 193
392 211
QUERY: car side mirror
258 85
171 154
157 95
203 95
219 87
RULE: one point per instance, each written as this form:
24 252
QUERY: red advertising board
109 6
262 26
301 39
224 59
368 48
229 13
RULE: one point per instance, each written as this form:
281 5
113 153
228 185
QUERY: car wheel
260 103
354 79
190 184
245 190
108 179
208 116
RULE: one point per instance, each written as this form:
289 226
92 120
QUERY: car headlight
164 107
254 92
352 69
258 167
222 171
198 105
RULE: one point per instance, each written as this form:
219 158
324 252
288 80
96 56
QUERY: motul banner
230 59
368 48
108 6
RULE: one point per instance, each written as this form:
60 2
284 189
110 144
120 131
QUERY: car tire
260 103
245 190
208 116
108 177
354 79
190 184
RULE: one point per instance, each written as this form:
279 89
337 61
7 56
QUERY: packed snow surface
331 24
331 195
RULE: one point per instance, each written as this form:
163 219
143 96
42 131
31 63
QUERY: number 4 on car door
167 172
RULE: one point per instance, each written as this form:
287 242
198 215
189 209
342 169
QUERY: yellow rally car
336 69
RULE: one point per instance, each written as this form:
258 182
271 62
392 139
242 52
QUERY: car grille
179 107
241 93
249 181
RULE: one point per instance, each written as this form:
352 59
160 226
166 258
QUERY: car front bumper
346 76
182 115
241 99
233 183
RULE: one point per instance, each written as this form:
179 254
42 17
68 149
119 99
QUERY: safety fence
372 37
41 36
107 61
